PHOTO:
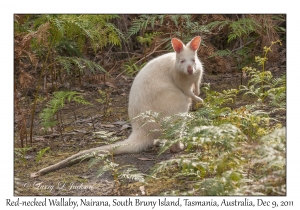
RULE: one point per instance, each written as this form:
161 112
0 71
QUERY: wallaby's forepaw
198 99
197 92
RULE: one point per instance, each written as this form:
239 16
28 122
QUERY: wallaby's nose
190 69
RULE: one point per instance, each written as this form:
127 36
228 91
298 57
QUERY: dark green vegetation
70 66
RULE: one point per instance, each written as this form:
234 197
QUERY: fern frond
148 37
160 167
41 153
80 63
131 68
241 27
161 18
244 51
174 19
221 53
56 104
138 25
69 47
79 28
220 24
102 170
117 33
132 174
195 28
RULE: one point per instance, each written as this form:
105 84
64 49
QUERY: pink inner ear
177 45
195 43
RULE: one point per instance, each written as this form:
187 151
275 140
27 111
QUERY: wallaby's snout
190 70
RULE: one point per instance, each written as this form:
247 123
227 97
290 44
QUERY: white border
8 8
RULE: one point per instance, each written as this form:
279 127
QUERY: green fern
119 172
140 24
56 104
80 28
220 186
177 19
243 52
20 153
132 173
148 38
215 156
68 47
238 29
196 28
131 68
215 98
221 53
241 56
263 86
242 27
41 153
219 24
269 163
165 165
277 97
108 137
79 63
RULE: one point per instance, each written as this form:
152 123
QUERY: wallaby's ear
177 45
195 43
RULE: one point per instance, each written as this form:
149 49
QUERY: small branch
74 114
153 51
93 123
243 45
112 67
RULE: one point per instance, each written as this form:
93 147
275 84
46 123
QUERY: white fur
165 86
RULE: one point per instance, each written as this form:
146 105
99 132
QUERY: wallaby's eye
182 61
193 60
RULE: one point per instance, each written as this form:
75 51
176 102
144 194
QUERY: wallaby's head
186 55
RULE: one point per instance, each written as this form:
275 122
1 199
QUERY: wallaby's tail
135 143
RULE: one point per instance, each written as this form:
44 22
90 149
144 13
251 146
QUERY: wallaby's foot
178 147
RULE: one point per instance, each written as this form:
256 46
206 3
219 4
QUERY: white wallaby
164 85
